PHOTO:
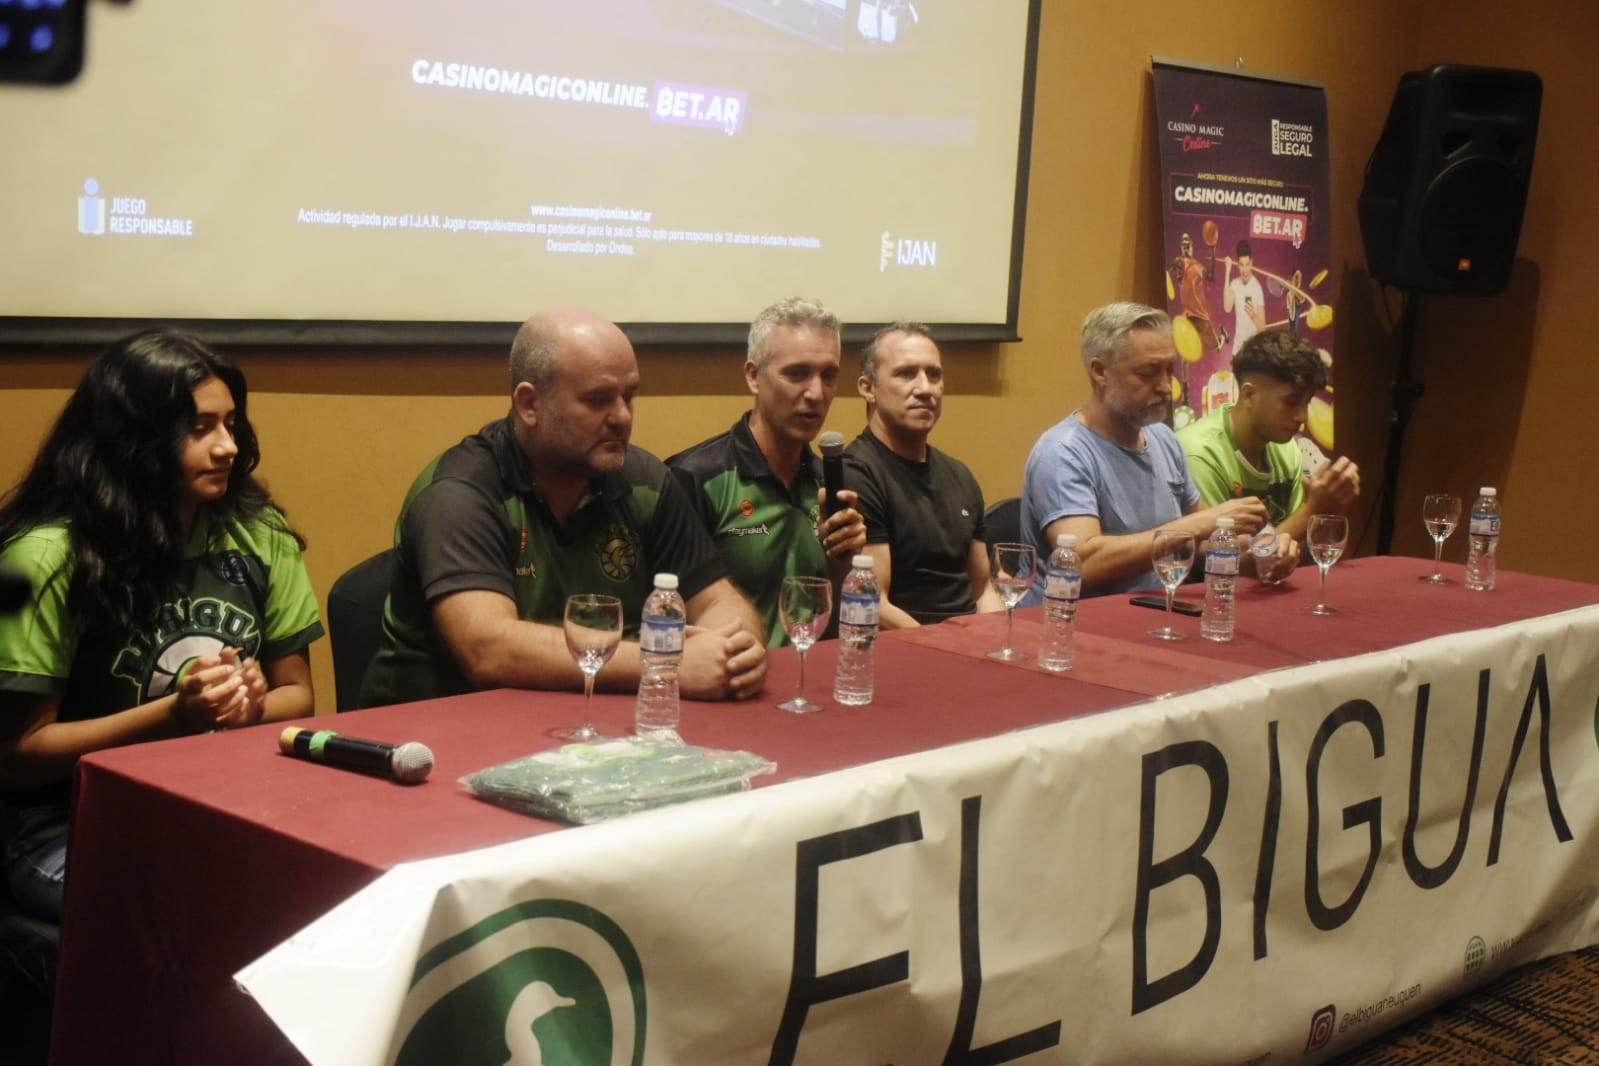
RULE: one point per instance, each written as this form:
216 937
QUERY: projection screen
350 170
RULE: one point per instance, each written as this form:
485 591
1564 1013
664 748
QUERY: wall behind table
344 433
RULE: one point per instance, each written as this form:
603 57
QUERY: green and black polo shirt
242 584
928 514
764 531
474 520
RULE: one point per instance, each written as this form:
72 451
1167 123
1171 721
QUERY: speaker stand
1406 392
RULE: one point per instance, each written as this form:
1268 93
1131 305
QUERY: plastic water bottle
1063 585
857 633
660 638
1221 581
1480 562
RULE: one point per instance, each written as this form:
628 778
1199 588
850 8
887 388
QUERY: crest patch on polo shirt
619 552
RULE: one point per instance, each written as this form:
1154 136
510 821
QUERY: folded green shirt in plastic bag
584 783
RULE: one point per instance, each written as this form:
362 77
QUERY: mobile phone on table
1159 604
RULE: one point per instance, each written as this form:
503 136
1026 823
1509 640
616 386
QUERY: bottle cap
666 581
1489 491
862 562
1066 540
1224 523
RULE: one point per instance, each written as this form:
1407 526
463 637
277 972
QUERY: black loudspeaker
1440 210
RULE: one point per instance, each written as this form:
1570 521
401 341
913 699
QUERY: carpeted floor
1544 1013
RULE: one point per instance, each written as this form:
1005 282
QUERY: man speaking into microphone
759 486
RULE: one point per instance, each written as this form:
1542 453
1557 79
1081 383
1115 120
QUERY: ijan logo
905 252
1322 1026
547 981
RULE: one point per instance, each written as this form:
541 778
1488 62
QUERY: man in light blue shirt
1112 471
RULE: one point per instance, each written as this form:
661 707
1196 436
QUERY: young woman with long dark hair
169 595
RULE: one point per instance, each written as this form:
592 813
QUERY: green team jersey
242 584
474 520
1222 473
764 531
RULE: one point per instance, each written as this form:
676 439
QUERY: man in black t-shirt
923 509
545 503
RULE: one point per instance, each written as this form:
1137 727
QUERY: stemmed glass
1326 537
1014 566
1440 514
593 630
1172 557
805 604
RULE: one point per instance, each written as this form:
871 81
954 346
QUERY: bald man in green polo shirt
548 502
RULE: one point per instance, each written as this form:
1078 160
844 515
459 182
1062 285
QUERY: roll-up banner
1245 197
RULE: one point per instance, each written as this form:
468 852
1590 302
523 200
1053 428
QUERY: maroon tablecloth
1381 603
192 857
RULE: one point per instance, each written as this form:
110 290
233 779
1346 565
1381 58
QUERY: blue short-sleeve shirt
1073 472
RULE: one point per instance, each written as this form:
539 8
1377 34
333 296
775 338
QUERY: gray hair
875 345
1106 328
794 313
533 354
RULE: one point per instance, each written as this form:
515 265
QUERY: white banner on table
1272 870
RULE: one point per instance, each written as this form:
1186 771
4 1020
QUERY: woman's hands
221 692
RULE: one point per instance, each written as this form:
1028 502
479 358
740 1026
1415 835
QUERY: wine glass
1172 557
1440 514
593 630
805 604
1014 566
1326 537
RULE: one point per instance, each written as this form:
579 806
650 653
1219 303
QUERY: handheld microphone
832 445
14 589
408 763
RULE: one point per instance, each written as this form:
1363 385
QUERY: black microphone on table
832 445
408 763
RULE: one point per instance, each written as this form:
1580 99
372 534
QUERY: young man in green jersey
758 487
545 503
1246 448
